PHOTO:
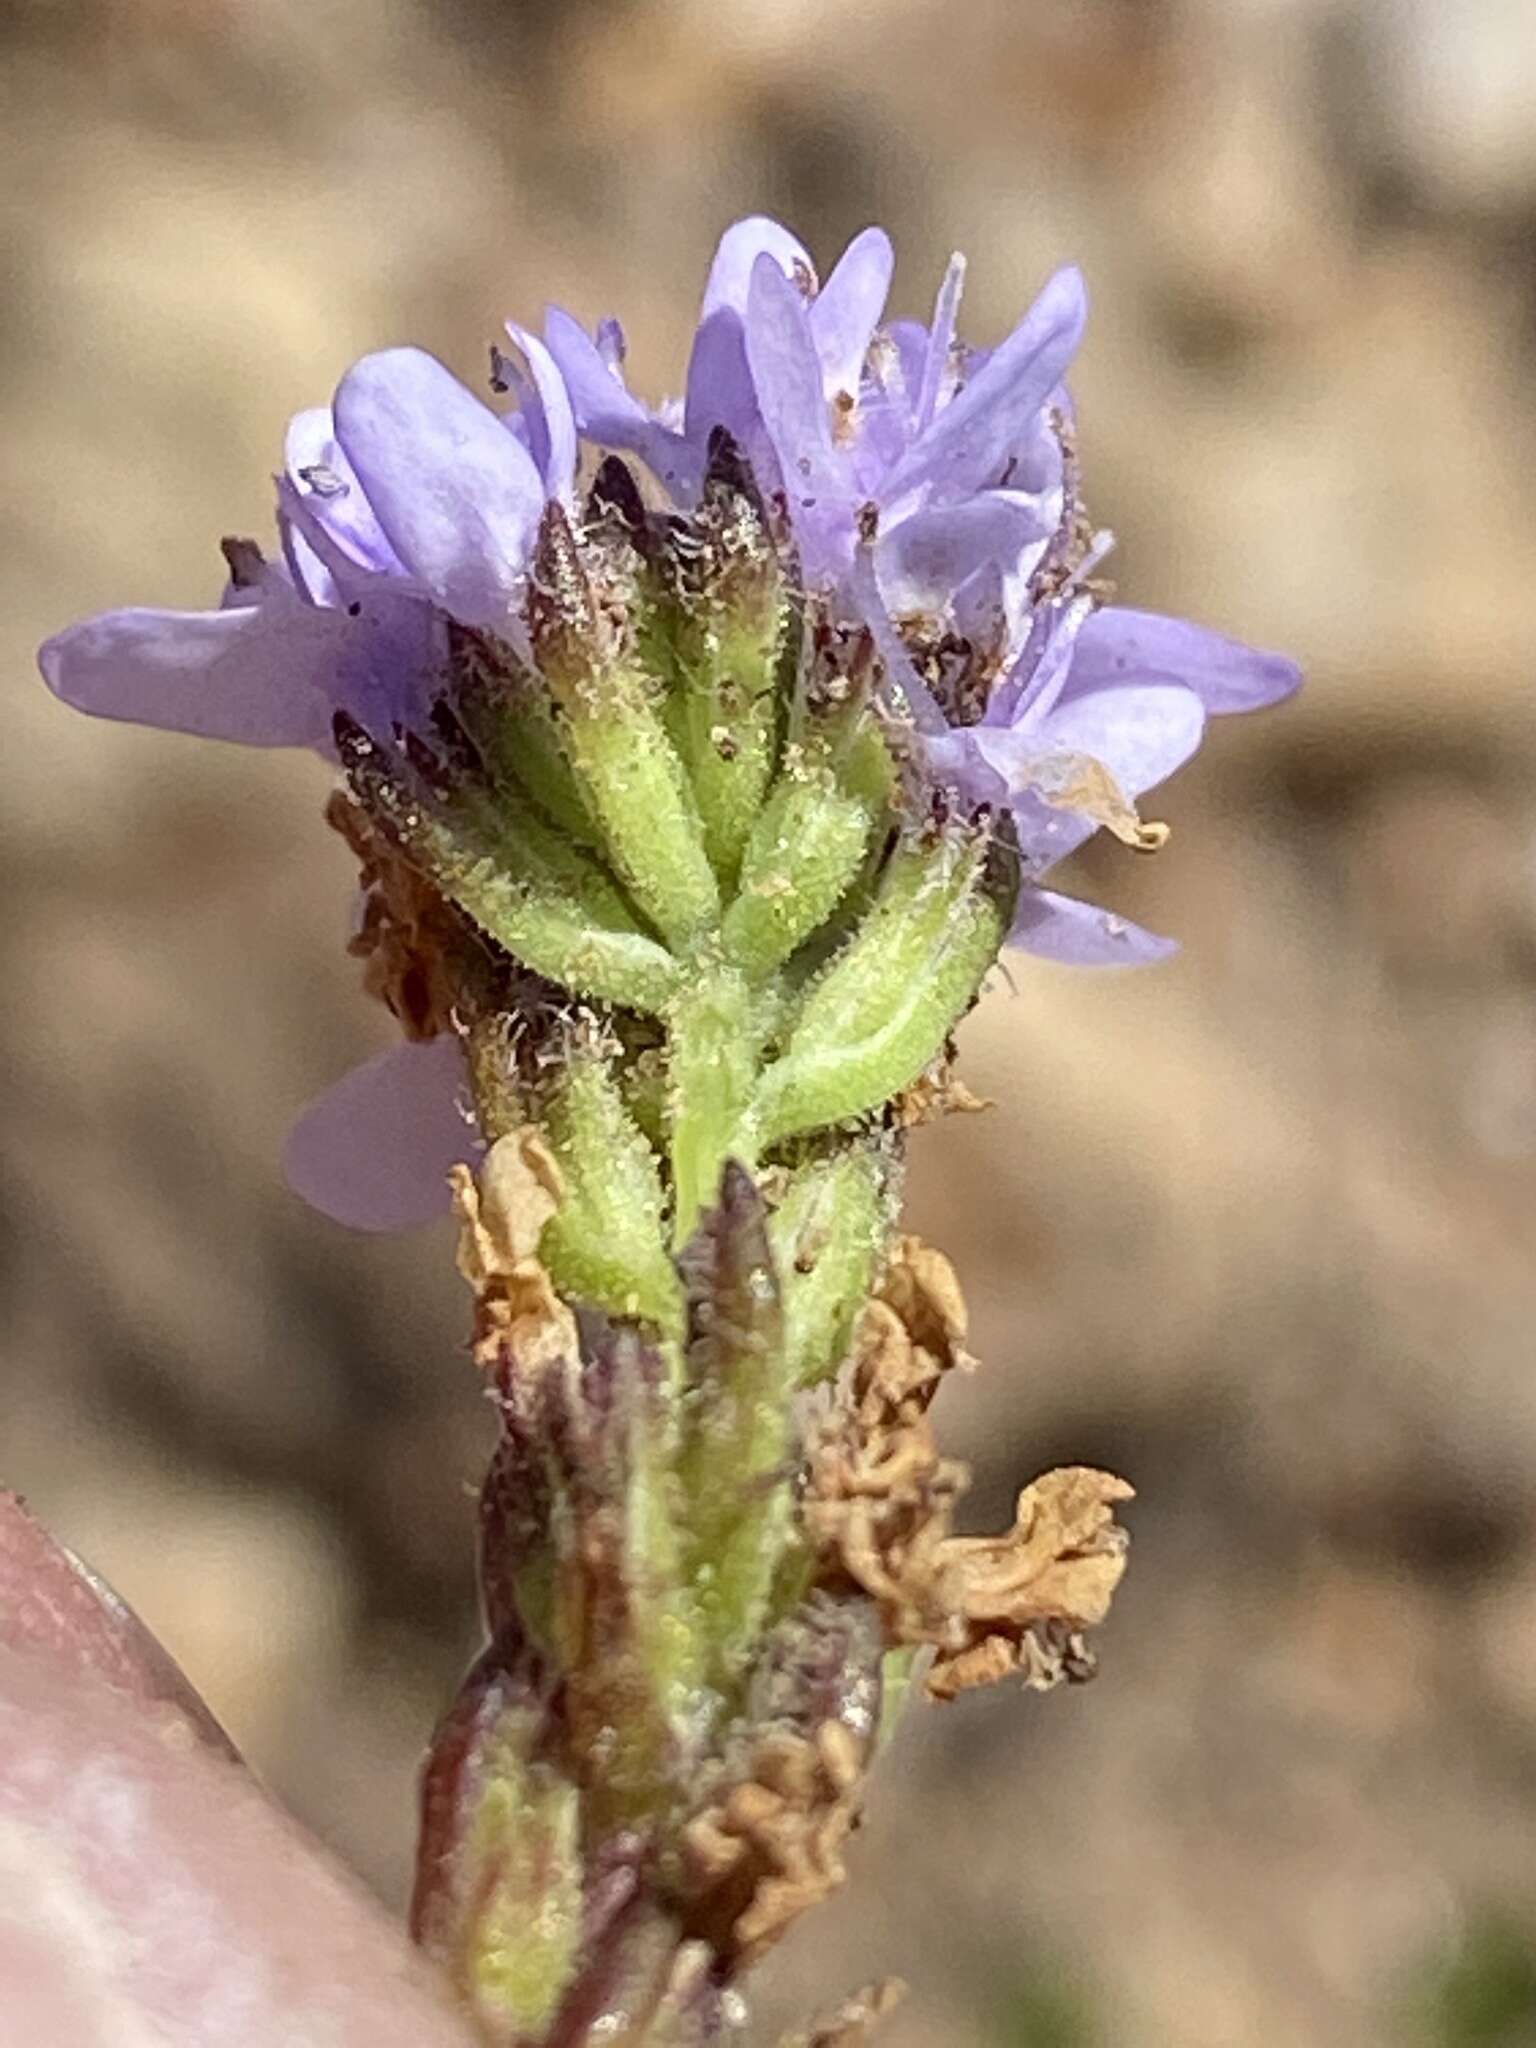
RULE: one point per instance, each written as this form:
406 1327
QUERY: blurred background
1257 1230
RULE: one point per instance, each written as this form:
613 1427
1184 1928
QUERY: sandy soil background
1258 1230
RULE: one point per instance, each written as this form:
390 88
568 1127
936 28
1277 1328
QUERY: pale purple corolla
1092 688
404 504
947 453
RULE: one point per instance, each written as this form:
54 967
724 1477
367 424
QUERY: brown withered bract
412 942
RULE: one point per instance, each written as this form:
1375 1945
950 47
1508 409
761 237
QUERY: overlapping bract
926 492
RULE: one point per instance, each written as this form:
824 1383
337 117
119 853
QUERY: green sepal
607 1242
881 1010
713 1039
547 932
546 857
828 1234
530 914
631 780
724 721
625 1627
505 709
732 625
805 850
862 761
523 1945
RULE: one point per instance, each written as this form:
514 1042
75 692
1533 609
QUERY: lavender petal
846 311
606 411
904 690
1141 733
323 479
457 496
720 393
259 675
1078 934
1120 646
786 375
969 444
550 418
923 560
937 366
374 1151
610 415
729 284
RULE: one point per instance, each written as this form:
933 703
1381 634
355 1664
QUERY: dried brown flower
881 1500
502 1213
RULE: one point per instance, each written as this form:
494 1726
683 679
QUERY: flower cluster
925 491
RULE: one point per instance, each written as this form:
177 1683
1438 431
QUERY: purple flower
374 1150
947 453
1097 708
672 439
408 502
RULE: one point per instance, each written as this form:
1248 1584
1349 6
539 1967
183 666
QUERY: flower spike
693 808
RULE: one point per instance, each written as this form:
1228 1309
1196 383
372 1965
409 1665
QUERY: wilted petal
261 675
847 309
1123 646
1077 934
729 283
374 1151
456 494
1140 733
971 440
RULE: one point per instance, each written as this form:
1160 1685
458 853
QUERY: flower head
845 646
932 495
